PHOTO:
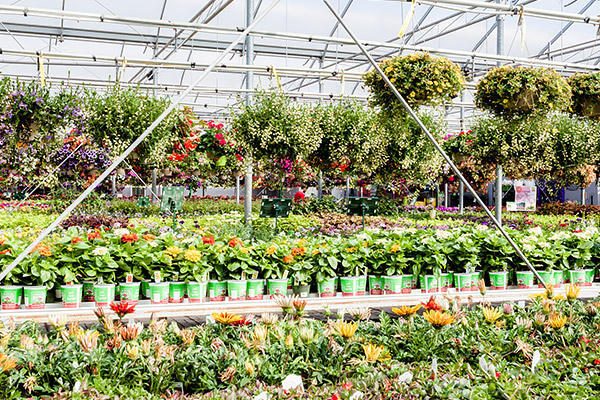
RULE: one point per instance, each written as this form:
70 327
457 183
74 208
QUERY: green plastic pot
237 289
525 279
451 280
72 296
88 291
159 292
145 289
475 277
547 276
589 277
362 285
349 285
35 297
327 288
578 277
255 289
463 282
104 294
176 292
407 284
217 290
10 296
376 285
277 287
130 291
429 284
444 282
392 284
558 278
498 280
196 291
301 290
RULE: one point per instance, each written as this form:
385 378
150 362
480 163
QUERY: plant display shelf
146 310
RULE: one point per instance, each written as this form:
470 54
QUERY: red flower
208 240
76 240
219 136
129 237
432 305
6 251
189 145
234 242
577 231
242 322
335 397
584 339
122 308
497 374
93 235
222 142
564 224
596 361
451 179
347 385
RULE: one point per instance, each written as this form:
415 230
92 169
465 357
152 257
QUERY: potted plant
585 89
509 90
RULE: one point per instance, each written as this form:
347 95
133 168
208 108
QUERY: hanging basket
525 101
237 174
211 156
459 158
591 108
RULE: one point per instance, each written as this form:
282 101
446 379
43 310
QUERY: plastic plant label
175 276
535 360
406 377
285 274
293 382
157 276
210 320
100 280
243 276
255 276
205 276
262 396
356 395
129 278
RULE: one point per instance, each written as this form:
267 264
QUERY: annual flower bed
438 349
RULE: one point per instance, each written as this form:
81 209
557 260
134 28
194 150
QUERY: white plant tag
129 278
293 382
406 377
535 360
263 396
483 364
285 274
210 319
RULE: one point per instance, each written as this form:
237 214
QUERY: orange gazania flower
288 259
432 304
406 311
149 237
226 318
42 249
438 318
129 237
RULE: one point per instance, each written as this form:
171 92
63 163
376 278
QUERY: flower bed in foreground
440 349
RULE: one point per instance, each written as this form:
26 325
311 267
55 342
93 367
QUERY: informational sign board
143 201
172 198
525 199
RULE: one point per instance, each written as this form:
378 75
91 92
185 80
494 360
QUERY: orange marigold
42 249
288 259
298 251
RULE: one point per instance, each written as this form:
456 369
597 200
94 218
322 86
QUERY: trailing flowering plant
510 90
585 89
419 77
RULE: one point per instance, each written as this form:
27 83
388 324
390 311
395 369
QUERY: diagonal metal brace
434 142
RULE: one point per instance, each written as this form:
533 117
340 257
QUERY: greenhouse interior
285 199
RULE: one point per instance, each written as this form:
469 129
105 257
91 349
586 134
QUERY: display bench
146 310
